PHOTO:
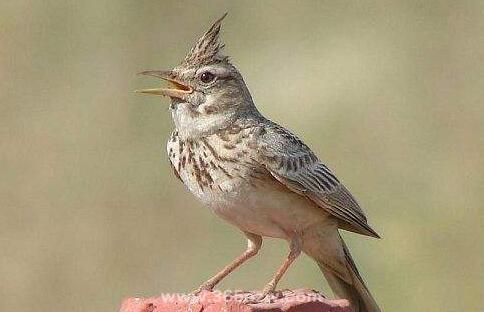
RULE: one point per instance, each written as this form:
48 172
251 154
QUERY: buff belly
266 208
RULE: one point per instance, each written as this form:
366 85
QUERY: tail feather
356 291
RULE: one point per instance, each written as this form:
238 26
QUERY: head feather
208 48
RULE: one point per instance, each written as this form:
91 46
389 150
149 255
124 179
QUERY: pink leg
254 242
295 251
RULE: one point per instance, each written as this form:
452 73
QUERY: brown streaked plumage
257 175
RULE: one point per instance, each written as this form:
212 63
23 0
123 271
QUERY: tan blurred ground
389 93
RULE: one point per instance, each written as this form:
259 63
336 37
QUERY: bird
255 174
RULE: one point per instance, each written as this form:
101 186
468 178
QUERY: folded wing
293 164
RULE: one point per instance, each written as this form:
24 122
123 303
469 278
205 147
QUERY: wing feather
293 164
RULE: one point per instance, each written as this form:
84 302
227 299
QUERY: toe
268 289
203 287
268 294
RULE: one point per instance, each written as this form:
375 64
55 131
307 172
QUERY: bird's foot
268 295
207 286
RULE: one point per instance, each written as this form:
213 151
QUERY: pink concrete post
301 300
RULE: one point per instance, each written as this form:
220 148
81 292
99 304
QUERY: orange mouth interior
179 86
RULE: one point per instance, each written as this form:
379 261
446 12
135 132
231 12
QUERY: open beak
177 90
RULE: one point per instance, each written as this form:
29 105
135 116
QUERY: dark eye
207 77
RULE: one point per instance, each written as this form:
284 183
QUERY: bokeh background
389 93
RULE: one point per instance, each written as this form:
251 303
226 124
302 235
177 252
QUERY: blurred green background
388 93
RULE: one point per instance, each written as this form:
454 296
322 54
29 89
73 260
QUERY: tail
353 288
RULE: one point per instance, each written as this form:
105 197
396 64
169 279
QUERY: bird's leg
295 251
254 242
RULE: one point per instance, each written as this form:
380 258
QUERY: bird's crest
208 48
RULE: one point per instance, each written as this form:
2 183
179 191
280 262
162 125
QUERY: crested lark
257 175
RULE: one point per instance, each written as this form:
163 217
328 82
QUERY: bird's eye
207 77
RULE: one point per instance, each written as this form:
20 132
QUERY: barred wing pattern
293 164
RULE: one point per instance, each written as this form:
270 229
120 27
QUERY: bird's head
207 92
